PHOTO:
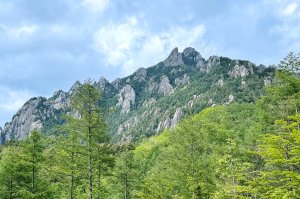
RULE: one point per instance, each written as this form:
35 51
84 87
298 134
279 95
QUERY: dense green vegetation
239 150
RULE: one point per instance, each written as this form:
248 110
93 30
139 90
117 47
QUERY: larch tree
91 127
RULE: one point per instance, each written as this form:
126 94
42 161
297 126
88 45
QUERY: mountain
152 99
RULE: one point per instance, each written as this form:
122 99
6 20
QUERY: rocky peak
30 117
174 59
116 83
191 56
140 75
101 84
59 100
74 87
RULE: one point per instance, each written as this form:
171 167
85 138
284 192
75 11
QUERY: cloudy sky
46 45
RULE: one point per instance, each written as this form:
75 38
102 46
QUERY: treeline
249 150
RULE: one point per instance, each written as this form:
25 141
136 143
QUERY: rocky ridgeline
139 100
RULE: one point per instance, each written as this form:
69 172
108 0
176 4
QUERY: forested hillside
151 99
234 150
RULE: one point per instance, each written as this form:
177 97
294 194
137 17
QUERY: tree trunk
126 194
33 173
72 179
99 181
90 165
10 189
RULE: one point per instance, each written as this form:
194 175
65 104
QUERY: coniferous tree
91 128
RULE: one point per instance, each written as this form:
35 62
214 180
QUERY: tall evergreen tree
91 126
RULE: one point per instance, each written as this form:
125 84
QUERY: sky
47 45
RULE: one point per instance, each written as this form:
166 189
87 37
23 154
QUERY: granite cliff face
154 98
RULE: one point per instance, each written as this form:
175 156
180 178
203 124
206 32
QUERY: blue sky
46 45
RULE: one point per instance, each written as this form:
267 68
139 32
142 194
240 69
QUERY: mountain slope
152 99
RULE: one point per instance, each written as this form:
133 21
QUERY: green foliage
24 171
280 175
291 63
237 150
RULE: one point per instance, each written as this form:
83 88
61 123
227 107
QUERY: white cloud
96 6
131 45
290 9
12 100
57 28
19 32
117 41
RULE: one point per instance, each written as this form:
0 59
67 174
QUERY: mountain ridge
141 97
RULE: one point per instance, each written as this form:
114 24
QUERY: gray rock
230 99
30 117
149 102
165 87
190 56
101 84
201 65
74 87
2 136
126 98
211 62
140 75
174 59
164 125
152 85
116 83
182 81
59 100
177 117
241 70
220 82
267 82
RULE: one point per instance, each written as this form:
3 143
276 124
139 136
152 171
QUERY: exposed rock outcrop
165 87
140 75
211 62
190 56
164 125
149 102
267 81
220 82
59 100
29 117
101 84
126 98
177 117
2 136
116 83
74 87
182 81
241 70
174 59
230 99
